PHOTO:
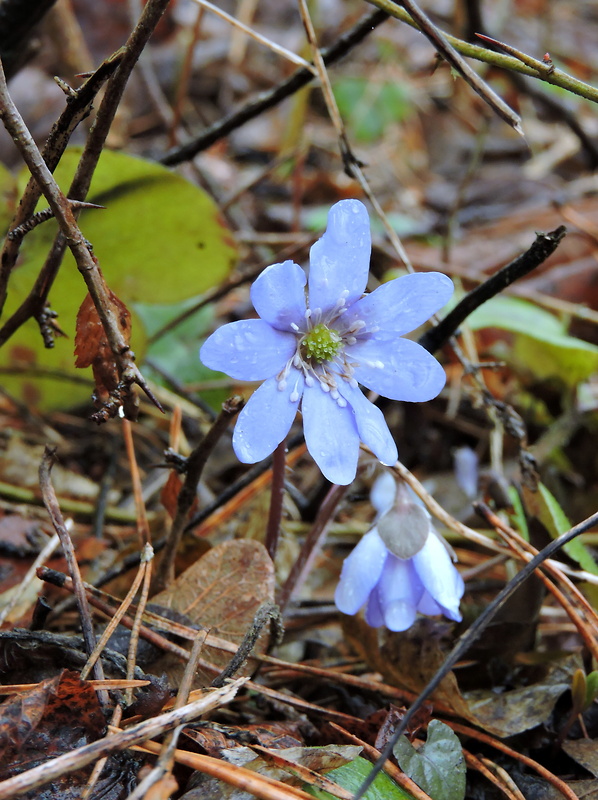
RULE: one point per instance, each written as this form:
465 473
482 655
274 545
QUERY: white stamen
294 396
295 327
341 402
309 381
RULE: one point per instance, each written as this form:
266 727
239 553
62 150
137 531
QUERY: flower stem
276 498
312 545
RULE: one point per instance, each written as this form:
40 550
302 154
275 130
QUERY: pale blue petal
266 419
330 435
248 350
403 304
439 576
374 614
397 368
371 425
360 573
400 591
427 605
340 260
278 295
383 493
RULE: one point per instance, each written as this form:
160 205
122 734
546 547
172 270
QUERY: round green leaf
160 240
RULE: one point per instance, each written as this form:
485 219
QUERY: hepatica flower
401 567
312 350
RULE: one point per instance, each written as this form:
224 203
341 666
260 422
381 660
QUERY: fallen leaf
222 591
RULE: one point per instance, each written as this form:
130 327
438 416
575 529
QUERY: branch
86 262
265 100
543 247
557 77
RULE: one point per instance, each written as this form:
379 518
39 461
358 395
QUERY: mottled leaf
438 766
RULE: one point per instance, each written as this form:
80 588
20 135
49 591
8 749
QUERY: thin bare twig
53 509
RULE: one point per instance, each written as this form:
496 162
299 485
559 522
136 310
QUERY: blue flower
312 352
394 587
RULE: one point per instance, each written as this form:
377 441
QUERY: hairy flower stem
276 499
311 547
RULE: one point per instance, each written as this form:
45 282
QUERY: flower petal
439 576
374 614
360 573
266 419
340 260
278 295
400 591
371 425
383 493
397 368
330 435
248 350
403 304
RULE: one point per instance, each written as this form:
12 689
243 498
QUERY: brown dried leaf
91 345
57 716
223 591
170 493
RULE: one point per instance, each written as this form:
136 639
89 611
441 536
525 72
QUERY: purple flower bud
396 589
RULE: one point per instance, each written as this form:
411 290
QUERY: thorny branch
86 262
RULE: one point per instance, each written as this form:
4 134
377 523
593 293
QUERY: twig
162 772
86 263
194 466
451 55
465 641
77 108
265 100
119 613
53 509
557 77
276 48
135 735
43 555
142 524
276 499
16 234
543 247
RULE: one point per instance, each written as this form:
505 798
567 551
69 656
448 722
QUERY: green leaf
438 767
546 507
518 517
369 107
351 776
541 345
160 239
591 688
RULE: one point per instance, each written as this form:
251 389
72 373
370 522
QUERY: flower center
321 344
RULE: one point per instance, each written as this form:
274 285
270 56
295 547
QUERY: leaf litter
472 199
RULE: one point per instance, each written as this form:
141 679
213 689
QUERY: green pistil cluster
321 344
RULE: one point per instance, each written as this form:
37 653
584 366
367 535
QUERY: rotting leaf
222 591
499 714
55 717
438 766
92 348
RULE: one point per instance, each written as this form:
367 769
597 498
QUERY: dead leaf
91 345
222 591
57 716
